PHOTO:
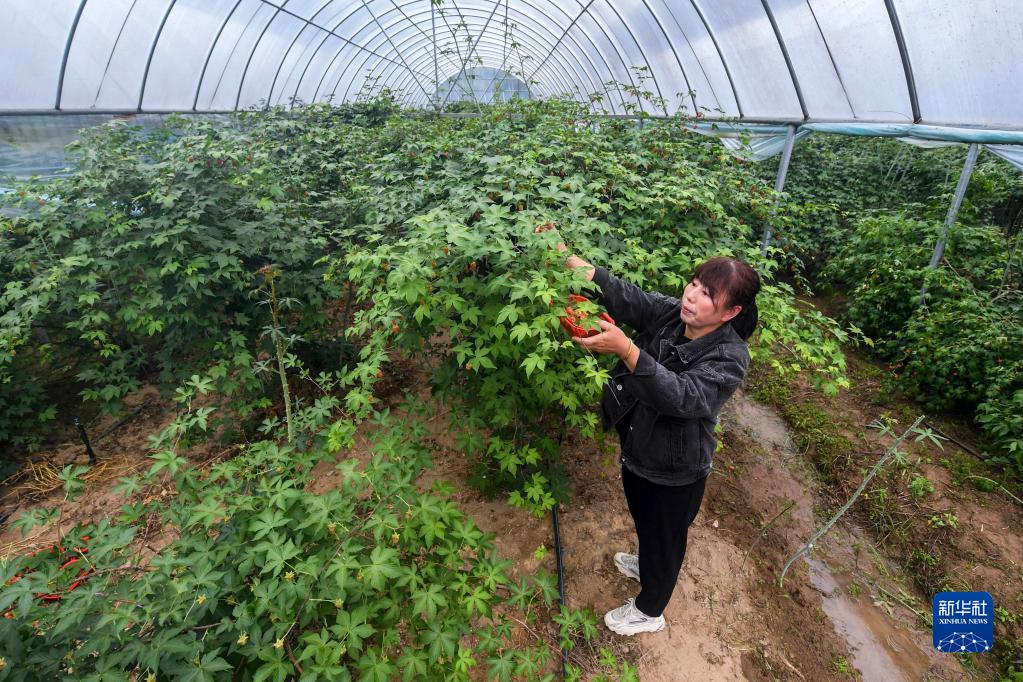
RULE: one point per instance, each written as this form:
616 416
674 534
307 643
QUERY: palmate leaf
383 566
269 519
426 602
440 640
276 667
351 628
32 518
317 512
277 556
502 666
206 513
375 667
413 663
478 601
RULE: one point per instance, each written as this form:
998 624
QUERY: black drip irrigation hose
561 580
558 554
85 440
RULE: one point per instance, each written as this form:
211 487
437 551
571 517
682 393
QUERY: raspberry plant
374 579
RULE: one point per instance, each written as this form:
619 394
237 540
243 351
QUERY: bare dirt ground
980 550
845 613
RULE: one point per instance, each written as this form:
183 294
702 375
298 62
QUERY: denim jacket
677 389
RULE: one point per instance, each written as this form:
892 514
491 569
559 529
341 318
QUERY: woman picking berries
664 396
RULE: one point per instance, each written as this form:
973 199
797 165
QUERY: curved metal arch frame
556 76
311 39
562 36
113 50
613 42
216 40
525 27
284 58
593 69
892 15
67 50
788 59
538 44
209 54
312 55
473 47
396 7
241 36
536 38
639 47
387 37
831 57
252 52
330 64
667 7
907 67
721 56
678 60
563 80
307 23
353 9
230 54
152 51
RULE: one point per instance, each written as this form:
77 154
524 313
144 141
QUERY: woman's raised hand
573 261
549 225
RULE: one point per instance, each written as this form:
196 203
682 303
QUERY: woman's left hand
611 339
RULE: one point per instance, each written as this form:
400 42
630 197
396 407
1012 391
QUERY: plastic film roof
934 62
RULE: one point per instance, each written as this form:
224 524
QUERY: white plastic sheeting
760 142
936 62
1011 153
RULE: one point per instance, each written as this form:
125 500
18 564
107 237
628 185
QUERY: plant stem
763 531
805 549
1004 489
280 361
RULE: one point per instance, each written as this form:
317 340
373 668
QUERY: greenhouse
511 340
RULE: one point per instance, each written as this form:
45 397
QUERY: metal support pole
436 77
953 211
779 183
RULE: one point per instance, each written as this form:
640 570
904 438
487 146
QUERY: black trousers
662 514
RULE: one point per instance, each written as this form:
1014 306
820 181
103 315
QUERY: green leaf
383 566
427 601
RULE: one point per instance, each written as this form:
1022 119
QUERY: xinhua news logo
963 622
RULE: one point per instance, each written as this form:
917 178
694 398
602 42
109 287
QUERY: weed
842 666
943 520
920 486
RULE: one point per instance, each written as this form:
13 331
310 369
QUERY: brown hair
737 284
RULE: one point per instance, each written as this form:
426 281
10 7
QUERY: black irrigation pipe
559 555
124 421
85 439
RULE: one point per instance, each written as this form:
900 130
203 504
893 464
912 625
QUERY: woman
663 398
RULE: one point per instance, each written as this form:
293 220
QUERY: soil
840 614
982 551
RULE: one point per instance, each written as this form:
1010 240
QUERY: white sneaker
628 565
628 620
